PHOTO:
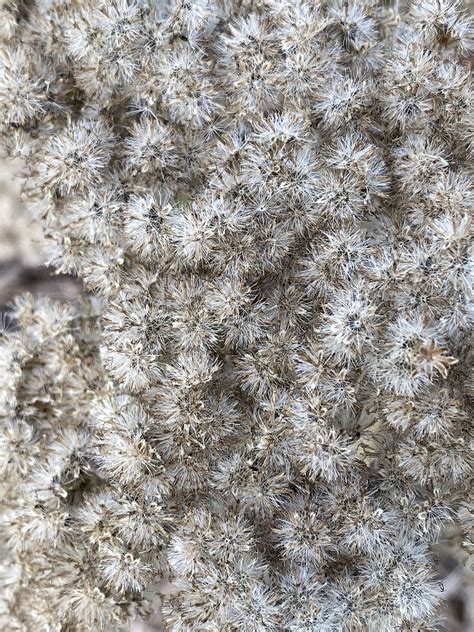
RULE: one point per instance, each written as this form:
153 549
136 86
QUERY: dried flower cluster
267 400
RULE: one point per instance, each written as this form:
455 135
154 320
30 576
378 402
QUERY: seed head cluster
265 397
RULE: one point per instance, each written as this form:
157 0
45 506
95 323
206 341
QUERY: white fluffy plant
266 397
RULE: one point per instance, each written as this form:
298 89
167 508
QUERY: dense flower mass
266 397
